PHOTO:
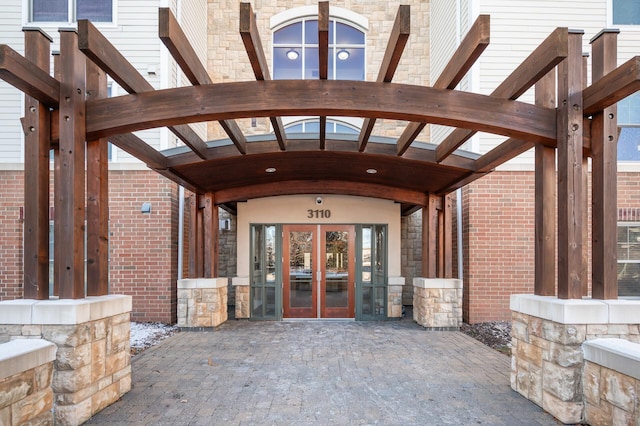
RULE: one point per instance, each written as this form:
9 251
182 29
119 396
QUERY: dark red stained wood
70 202
168 107
545 199
56 169
323 58
544 58
210 239
570 203
178 45
324 186
193 232
26 76
613 87
135 146
430 238
604 139
253 46
392 55
502 153
97 48
474 43
441 239
97 196
586 153
36 176
448 236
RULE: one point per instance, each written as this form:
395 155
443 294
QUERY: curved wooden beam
320 187
223 101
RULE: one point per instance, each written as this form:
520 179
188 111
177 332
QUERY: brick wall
143 247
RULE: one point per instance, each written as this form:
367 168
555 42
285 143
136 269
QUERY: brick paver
327 373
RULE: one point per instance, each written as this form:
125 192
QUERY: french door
318 271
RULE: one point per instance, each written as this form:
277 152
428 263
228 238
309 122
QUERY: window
629 259
313 126
625 12
295 51
70 10
629 122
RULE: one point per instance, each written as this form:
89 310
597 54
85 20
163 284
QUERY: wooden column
36 175
97 196
70 179
56 188
585 188
210 240
604 135
570 205
447 254
545 198
430 238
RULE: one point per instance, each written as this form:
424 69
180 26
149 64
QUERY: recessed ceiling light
270 170
292 54
343 54
372 171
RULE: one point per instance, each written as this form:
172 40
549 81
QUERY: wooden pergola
70 113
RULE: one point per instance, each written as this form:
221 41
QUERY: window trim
304 12
26 17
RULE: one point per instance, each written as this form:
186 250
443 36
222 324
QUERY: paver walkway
321 373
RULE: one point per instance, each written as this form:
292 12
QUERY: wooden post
604 135
97 196
430 238
585 190
193 213
211 234
36 176
570 205
70 202
448 236
545 198
56 188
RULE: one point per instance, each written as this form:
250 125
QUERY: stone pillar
437 303
93 358
547 356
26 370
202 302
394 297
243 302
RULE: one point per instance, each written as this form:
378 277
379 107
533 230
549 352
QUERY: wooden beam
176 41
470 49
502 153
135 146
97 48
27 77
36 175
97 195
391 59
252 44
70 177
211 235
543 59
339 97
613 87
545 199
570 201
321 186
604 157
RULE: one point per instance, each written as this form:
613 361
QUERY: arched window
295 56
295 51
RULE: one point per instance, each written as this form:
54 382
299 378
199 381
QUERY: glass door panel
337 286
299 264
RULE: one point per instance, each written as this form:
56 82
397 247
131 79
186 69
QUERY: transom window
70 10
295 51
629 259
625 12
313 126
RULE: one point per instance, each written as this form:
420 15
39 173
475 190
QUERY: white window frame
619 261
26 16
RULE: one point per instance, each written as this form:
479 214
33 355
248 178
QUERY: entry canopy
241 167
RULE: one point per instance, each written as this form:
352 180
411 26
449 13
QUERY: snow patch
147 334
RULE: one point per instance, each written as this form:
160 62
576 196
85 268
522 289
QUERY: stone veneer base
202 302
437 303
547 355
93 360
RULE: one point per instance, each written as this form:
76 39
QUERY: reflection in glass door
319 272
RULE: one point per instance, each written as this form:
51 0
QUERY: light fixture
292 54
372 171
343 54
270 170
